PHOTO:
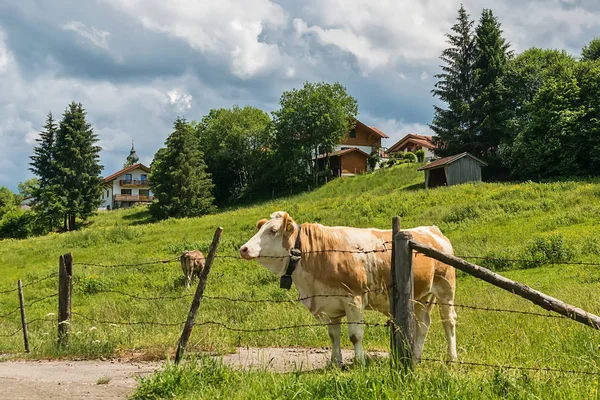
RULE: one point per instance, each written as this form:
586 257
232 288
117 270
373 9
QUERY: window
144 177
128 177
144 193
125 191
107 194
352 133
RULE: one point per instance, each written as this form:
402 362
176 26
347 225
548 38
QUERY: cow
192 263
352 267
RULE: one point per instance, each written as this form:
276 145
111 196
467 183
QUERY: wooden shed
453 170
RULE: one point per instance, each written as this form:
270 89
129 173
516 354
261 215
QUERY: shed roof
112 177
442 162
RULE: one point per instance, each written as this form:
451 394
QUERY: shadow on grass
141 217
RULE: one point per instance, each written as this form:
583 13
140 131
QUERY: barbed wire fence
390 323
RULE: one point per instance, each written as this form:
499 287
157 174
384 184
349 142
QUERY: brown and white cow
362 278
192 263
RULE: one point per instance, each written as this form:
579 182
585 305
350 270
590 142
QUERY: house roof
114 176
449 160
342 152
372 129
423 140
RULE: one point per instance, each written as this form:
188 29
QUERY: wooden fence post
189 324
404 317
393 292
23 318
65 288
536 297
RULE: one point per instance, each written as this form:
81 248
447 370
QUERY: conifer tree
488 109
76 162
179 180
453 125
46 202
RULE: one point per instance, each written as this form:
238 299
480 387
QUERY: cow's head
272 243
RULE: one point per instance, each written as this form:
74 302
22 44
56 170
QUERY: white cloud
181 100
97 37
381 33
226 28
424 76
396 129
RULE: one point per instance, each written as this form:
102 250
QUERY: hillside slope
537 222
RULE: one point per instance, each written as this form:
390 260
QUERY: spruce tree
453 125
76 161
179 180
488 109
46 201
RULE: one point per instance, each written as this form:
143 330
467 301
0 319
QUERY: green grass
210 379
536 222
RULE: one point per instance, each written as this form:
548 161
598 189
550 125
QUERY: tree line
534 115
244 154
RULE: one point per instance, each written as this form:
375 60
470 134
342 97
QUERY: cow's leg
334 330
422 322
355 312
448 315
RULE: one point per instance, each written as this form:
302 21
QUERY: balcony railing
132 197
134 182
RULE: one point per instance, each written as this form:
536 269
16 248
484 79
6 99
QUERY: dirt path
44 380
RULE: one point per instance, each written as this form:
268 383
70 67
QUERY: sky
136 65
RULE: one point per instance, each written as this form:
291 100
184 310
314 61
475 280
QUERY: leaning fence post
189 324
393 292
404 316
65 286
23 318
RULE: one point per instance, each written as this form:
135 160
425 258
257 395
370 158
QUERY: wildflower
45 333
96 341
50 314
93 328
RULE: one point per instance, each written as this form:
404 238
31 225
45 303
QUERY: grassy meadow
535 223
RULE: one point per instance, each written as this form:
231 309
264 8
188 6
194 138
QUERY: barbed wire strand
35 282
523 260
89 264
292 301
279 328
504 366
505 310
27 305
223 325
231 299
91 319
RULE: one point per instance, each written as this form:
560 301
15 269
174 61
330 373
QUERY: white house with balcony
128 186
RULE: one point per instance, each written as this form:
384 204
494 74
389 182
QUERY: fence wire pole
187 329
23 318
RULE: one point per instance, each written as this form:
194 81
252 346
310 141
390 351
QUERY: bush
410 156
373 160
420 155
18 224
547 250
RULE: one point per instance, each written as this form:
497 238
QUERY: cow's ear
288 223
260 223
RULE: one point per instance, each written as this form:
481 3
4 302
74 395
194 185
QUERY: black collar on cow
285 282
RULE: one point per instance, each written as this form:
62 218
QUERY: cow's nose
244 251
